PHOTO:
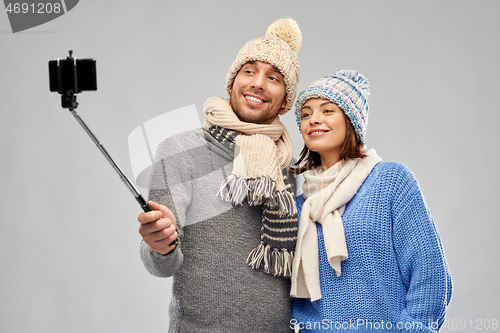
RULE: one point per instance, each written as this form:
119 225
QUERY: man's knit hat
346 88
279 48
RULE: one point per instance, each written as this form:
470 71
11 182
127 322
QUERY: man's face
258 93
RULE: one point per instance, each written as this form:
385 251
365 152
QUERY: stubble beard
236 104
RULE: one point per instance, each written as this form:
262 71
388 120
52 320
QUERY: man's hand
158 228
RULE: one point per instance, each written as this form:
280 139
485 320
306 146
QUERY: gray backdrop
68 234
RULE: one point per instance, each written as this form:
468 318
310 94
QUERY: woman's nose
315 118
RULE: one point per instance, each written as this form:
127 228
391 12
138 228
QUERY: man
230 199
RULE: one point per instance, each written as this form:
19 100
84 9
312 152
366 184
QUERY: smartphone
71 75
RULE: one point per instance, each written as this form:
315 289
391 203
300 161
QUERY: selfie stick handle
144 205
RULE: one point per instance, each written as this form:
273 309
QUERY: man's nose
258 81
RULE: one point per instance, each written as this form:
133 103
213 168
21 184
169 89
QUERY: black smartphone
72 75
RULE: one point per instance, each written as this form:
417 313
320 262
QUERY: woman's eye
329 111
305 115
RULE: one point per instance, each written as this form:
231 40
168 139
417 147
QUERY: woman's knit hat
346 88
279 48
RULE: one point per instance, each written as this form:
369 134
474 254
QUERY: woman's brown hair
352 147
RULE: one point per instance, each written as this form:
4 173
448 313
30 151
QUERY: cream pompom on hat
278 48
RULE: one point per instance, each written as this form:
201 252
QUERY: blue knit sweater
396 278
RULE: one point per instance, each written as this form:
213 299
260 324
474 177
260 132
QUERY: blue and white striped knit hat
346 88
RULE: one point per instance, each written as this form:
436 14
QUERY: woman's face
323 129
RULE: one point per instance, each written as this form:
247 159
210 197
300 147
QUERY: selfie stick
144 205
71 76
63 74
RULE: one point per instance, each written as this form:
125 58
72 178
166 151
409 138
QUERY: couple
366 253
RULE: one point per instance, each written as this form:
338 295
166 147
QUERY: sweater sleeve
169 185
420 256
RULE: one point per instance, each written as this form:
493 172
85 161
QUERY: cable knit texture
396 278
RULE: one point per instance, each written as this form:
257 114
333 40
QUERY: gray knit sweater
214 290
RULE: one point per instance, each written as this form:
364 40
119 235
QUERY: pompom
357 78
288 31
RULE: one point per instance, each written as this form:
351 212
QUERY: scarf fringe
259 191
274 261
234 189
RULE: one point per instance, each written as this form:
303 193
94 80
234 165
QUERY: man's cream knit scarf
262 152
326 194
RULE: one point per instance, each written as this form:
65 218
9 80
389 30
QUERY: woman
368 256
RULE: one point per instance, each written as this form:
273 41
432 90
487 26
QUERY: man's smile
254 99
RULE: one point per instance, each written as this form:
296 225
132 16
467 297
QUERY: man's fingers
160 235
154 215
154 205
163 246
158 228
159 211
165 211
155 226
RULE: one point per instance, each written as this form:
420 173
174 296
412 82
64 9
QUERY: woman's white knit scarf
263 151
326 194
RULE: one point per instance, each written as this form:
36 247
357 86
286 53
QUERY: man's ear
283 105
